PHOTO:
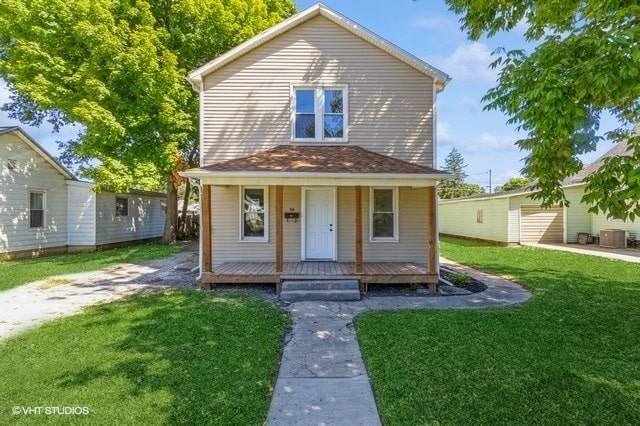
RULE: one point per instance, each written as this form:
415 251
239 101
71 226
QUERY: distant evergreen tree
456 186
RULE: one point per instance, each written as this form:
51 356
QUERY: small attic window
12 164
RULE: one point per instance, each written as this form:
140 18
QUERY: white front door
319 227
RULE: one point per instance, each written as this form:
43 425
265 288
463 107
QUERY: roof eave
202 174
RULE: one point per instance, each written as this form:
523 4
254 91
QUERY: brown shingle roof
320 159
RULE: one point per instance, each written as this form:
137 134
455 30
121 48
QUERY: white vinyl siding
246 104
81 205
145 218
461 218
23 171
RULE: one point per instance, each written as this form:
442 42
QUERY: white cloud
497 143
469 62
439 23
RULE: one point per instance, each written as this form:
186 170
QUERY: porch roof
313 162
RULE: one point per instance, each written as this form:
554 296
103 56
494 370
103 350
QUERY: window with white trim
36 209
319 114
384 214
254 208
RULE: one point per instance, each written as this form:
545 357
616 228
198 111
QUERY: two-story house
318 157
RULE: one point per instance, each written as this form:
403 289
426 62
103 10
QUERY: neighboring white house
514 218
44 208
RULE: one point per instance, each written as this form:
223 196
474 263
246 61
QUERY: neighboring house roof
319 9
620 148
318 160
39 149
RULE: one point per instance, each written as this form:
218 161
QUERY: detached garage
538 225
514 218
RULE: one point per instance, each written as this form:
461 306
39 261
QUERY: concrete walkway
322 378
626 254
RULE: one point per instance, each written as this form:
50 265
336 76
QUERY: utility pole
489 181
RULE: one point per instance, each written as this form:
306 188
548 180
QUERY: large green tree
586 63
456 186
118 68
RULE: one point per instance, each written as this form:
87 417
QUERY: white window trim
44 207
396 216
319 112
241 237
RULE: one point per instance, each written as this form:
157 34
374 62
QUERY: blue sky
426 29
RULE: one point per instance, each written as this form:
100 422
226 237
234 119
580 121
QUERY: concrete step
322 290
319 285
320 295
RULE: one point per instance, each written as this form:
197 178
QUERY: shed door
538 225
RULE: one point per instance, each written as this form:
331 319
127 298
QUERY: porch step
322 290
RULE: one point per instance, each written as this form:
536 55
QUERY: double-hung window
36 209
319 114
254 210
384 214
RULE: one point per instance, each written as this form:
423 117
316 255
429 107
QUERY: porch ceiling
336 165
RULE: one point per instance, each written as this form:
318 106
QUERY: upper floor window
36 209
319 114
122 206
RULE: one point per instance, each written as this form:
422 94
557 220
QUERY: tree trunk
183 230
169 236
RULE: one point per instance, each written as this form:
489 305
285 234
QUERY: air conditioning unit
613 238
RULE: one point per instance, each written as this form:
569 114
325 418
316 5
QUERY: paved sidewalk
322 378
627 254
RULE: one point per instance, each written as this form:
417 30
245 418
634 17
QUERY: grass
178 357
570 355
18 272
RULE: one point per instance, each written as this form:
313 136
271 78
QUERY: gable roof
620 148
38 149
317 160
319 9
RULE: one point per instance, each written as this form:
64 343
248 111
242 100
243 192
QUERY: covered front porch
372 273
313 213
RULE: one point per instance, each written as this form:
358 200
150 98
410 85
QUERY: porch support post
207 237
359 265
279 242
432 235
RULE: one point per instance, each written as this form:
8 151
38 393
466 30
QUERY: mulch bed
474 285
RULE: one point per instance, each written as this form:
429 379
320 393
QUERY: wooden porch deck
373 273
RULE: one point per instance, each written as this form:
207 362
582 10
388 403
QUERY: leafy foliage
456 186
118 68
586 63
513 183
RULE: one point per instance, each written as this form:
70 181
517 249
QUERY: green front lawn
17 272
570 355
178 357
